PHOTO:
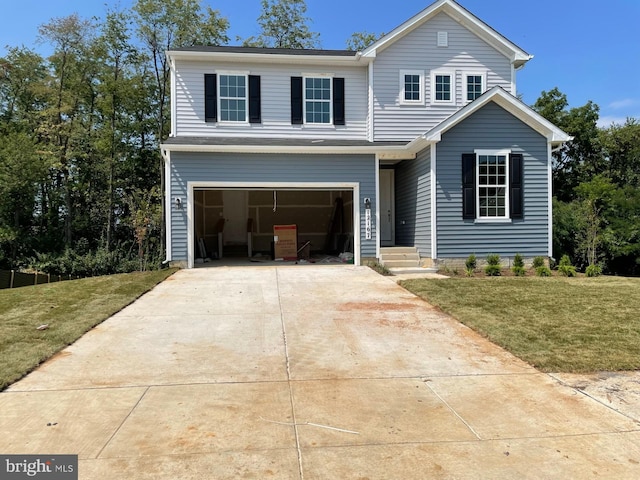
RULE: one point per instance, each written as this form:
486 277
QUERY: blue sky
589 49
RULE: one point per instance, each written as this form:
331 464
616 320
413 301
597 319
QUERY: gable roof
461 15
505 100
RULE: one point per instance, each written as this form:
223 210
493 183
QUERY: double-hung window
411 87
233 98
317 100
474 86
493 194
442 87
492 185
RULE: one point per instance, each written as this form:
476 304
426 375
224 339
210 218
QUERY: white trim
354 186
268 57
465 83
173 99
550 196
434 204
370 133
514 91
506 218
317 75
378 240
167 202
452 92
328 76
403 84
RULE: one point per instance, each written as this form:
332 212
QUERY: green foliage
565 268
471 263
593 271
284 25
493 267
361 40
539 262
519 271
518 266
469 272
380 268
543 271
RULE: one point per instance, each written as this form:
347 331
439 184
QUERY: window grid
492 185
412 87
317 94
443 88
233 98
474 87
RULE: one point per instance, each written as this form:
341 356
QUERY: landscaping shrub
471 263
518 265
538 262
593 271
543 271
565 268
493 265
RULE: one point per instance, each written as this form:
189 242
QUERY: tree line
81 175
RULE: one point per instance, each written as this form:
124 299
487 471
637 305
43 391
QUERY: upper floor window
442 87
233 98
474 85
317 100
411 87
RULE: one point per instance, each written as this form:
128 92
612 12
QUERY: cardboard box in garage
285 238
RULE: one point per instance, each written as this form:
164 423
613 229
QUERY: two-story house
417 141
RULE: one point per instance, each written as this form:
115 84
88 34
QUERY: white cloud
607 120
624 103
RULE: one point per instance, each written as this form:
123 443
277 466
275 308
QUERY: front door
387 213
235 213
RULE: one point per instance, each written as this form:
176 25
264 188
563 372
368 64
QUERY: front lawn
556 324
69 309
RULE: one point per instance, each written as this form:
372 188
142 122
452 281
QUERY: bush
518 266
493 265
538 262
471 263
593 271
543 271
565 268
469 272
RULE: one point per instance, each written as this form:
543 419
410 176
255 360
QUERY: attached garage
331 198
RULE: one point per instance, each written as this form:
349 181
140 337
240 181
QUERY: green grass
70 309
555 324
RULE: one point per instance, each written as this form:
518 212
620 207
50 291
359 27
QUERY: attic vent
443 39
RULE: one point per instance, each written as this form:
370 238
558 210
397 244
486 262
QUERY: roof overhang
465 18
511 104
390 150
271 56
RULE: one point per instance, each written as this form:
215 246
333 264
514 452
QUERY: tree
621 147
361 40
580 159
284 25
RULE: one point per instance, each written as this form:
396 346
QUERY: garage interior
240 222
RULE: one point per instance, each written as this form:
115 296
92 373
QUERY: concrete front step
401 263
387 250
400 257
404 271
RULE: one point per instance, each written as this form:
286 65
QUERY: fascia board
268 58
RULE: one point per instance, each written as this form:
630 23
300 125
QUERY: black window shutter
254 99
296 100
210 97
516 206
338 101
468 185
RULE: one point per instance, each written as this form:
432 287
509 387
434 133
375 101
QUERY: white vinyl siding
275 80
418 50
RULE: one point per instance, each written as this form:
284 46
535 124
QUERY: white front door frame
192 186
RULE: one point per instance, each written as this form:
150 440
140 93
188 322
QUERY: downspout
166 158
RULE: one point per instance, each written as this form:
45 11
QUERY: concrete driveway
314 372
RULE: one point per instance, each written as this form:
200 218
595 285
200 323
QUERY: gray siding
413 203
492 128
221 167
418 51
276 101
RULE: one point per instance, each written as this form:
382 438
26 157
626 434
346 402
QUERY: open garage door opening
248 223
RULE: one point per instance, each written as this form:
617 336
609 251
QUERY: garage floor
315 372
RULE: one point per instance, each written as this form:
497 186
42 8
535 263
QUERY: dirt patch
374 306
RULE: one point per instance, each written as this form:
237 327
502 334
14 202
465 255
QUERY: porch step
400 257
403 271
